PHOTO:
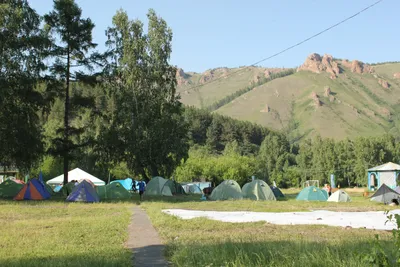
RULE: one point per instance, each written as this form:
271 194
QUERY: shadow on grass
149 256
84 259
134 199
270 253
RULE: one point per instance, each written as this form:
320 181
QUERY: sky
231 33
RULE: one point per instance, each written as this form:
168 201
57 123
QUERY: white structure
76 174
384 174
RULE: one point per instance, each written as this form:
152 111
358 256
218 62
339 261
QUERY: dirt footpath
148 251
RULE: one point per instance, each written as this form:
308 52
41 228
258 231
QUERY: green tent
176 188
159 186
112 191
67 189
49 189
228 189
9 189
312 193
258 190
325 193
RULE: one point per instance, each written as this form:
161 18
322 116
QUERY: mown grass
203 242
52 233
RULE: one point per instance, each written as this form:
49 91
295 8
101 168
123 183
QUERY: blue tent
192 189
57 188
126 183
83 192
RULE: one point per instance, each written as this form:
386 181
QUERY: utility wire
290 47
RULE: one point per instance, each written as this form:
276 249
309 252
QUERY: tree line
289 165
116 112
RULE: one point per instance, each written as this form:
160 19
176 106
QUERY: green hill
326 96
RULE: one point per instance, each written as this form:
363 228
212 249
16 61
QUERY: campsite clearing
52 233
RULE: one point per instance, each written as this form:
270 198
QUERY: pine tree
72 42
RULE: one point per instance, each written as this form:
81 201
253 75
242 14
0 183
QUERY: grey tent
385 195
277 192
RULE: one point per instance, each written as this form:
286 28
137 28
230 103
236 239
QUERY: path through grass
51 233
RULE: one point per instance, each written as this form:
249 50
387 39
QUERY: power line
290 47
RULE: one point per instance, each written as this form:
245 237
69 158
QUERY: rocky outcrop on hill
316 64
357 66
181 77
207 76
396 75
383 83
256 78
266 109
213 74
327 91
316 101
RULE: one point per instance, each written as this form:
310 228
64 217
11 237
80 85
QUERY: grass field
52 233
202 242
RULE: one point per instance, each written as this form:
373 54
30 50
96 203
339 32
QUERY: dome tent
10 188
312 193
176 188
157 186
126 183
258 190
83 192
192 189
339 196
113 191
228 189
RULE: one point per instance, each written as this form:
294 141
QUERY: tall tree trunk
66 124
144 175
154 171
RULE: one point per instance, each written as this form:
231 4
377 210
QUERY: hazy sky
231 33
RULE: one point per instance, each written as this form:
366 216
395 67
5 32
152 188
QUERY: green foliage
21 64
216 131
144 125
216 168
273 158
388 255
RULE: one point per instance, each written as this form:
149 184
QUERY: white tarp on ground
370 220
76 174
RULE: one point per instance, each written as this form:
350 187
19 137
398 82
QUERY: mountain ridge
334 98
